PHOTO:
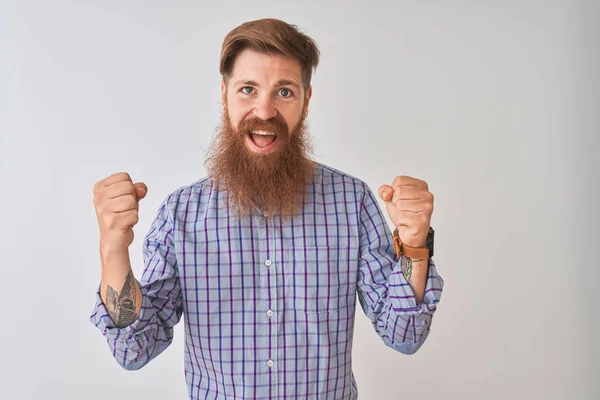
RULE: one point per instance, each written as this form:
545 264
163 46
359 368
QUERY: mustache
275 125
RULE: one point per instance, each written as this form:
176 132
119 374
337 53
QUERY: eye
286 93
247 89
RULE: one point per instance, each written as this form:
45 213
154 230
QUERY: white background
494 103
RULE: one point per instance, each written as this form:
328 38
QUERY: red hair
270 36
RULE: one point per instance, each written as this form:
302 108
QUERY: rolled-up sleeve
162 306
384 294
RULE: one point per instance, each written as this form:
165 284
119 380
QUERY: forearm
416 273
137 318
119 289
135 335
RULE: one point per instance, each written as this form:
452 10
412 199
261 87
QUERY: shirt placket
270 269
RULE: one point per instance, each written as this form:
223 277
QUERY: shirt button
268 263
270 313
266 214
270 363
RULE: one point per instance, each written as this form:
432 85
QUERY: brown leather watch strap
414 253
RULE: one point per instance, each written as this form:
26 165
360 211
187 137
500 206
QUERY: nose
264 109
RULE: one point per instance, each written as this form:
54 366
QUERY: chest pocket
320 279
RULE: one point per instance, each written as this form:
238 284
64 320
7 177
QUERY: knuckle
131 218
120 176
130 200
126 187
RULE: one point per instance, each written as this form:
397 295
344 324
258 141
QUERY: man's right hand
116 199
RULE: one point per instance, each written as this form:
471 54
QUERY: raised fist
116 199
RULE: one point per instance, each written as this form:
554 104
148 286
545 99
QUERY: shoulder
194 191
325 172
327 175
352 188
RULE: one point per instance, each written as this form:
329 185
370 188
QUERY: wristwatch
415 253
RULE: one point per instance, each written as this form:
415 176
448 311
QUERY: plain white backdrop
494 103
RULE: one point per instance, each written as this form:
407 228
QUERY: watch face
430 241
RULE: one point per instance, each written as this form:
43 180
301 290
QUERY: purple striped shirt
269 304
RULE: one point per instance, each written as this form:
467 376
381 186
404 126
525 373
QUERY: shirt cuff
130 334
403 296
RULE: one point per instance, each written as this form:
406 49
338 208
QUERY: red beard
273 183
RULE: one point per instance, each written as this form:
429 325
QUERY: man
266 255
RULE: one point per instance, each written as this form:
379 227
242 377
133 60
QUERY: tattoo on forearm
121 306
407 268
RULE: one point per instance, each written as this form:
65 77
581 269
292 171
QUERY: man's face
265 99
261 156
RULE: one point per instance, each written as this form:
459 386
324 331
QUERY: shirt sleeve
384 294
152 332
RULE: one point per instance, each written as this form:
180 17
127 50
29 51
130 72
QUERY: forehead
266 68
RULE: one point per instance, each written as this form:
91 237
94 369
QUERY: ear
308 94
223 92
306 101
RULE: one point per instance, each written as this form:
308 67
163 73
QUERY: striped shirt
268 303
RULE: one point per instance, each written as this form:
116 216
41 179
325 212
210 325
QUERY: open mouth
262 140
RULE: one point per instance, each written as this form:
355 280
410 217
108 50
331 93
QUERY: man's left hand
409 204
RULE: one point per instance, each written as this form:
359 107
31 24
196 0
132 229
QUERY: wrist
413 241
416 243
110 244
110 254
414 248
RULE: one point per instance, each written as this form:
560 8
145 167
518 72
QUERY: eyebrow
286 82
281 82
